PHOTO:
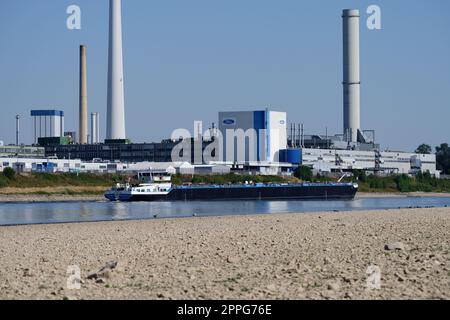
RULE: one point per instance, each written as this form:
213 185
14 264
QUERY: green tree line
442 156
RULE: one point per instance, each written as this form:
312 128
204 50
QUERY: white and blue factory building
264 131
47 124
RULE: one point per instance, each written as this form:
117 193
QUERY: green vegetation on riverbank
41 180
402 183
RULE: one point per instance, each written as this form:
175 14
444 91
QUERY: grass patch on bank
45 184
423 182
42 180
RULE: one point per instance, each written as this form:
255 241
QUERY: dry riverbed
289 256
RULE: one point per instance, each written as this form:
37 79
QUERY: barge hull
314 192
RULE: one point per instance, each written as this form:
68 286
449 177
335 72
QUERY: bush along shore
64 183
422 182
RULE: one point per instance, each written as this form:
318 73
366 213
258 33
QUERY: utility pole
17 129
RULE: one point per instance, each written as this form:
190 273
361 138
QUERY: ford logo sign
282 122
229 122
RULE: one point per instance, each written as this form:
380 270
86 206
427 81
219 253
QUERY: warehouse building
21 152
387 162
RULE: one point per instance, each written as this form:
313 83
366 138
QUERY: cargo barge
165 191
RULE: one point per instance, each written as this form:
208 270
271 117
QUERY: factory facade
47 124
49 165
386 162
257 142
123 152
252 135
21 152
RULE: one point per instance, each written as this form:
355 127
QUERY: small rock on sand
104 272
232 260
334 286
394 246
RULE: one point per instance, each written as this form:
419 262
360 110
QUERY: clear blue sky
187 60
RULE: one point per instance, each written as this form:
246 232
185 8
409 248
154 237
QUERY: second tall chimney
83 128
351 74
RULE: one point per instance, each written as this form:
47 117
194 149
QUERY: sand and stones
286 256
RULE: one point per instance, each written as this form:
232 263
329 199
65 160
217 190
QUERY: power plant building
253 135
249 141
47 124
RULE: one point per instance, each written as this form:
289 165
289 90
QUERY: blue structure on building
293 156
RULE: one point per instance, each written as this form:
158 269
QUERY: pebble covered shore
285 256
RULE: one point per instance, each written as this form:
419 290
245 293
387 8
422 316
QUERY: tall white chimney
115 128
352 80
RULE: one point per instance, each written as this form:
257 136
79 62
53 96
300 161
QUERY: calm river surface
58 212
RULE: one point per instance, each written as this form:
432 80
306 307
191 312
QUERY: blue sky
187 60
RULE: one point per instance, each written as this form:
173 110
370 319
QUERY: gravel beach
286 256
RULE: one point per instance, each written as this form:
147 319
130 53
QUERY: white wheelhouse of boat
151 183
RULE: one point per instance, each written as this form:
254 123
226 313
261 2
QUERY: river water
58 212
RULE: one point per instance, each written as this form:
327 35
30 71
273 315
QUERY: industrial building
124 152
384 162
49 165
255 142
21 152
297 139
253 135
179 168
40 165
47 124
